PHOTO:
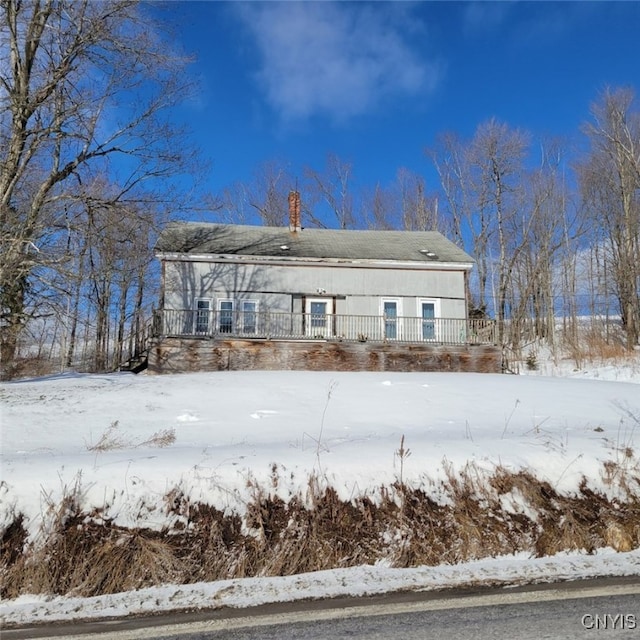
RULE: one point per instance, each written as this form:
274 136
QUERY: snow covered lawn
126 441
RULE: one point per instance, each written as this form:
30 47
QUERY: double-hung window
391 312
225 316
203 311
231 316
249 316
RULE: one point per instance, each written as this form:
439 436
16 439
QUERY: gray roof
244 240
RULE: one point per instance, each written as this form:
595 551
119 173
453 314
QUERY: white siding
358 290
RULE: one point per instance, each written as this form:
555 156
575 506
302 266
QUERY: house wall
358 290
408 305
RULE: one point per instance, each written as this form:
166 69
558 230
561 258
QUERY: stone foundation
178 355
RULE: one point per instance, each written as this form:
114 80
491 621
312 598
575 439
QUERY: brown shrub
484 516
12 549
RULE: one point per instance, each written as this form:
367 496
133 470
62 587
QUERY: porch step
136 364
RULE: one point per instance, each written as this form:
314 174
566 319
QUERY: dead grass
12 553
598 343
112 439
162 438
605 347
485 515
28 367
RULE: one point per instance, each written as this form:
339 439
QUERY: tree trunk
13 298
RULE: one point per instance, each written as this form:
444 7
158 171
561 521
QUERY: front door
318 317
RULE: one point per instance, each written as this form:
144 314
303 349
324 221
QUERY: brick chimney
295 222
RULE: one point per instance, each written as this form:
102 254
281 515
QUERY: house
252 297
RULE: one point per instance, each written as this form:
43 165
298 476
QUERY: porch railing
315 326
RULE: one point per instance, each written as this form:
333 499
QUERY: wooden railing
132 352
313 326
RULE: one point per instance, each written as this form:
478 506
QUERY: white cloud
526 23
333 59
480 17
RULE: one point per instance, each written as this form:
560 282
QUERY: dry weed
617 536
112 439
12 549
163 438
128 560
109 440
484 515
600 346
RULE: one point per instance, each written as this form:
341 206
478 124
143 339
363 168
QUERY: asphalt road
551 620
577 610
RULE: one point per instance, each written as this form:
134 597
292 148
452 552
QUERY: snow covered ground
357 581
126 441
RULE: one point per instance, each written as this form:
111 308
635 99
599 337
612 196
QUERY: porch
270 325
189 341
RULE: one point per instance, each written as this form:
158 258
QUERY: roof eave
306 261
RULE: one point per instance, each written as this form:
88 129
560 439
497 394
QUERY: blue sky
375 82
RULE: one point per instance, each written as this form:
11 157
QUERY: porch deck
269 325
190 341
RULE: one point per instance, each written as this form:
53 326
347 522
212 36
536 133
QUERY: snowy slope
128 440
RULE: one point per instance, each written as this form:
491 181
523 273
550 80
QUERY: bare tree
268 193
483 184
233 206
610 184
419 208
467 225
404 204
496 154
377 208
85 90
118 254
552 230
333 188
449 159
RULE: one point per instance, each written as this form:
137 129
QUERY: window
249 316
390 318
429 312
318 316
203 309
225 316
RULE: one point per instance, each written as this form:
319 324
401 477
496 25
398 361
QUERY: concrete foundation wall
179 355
